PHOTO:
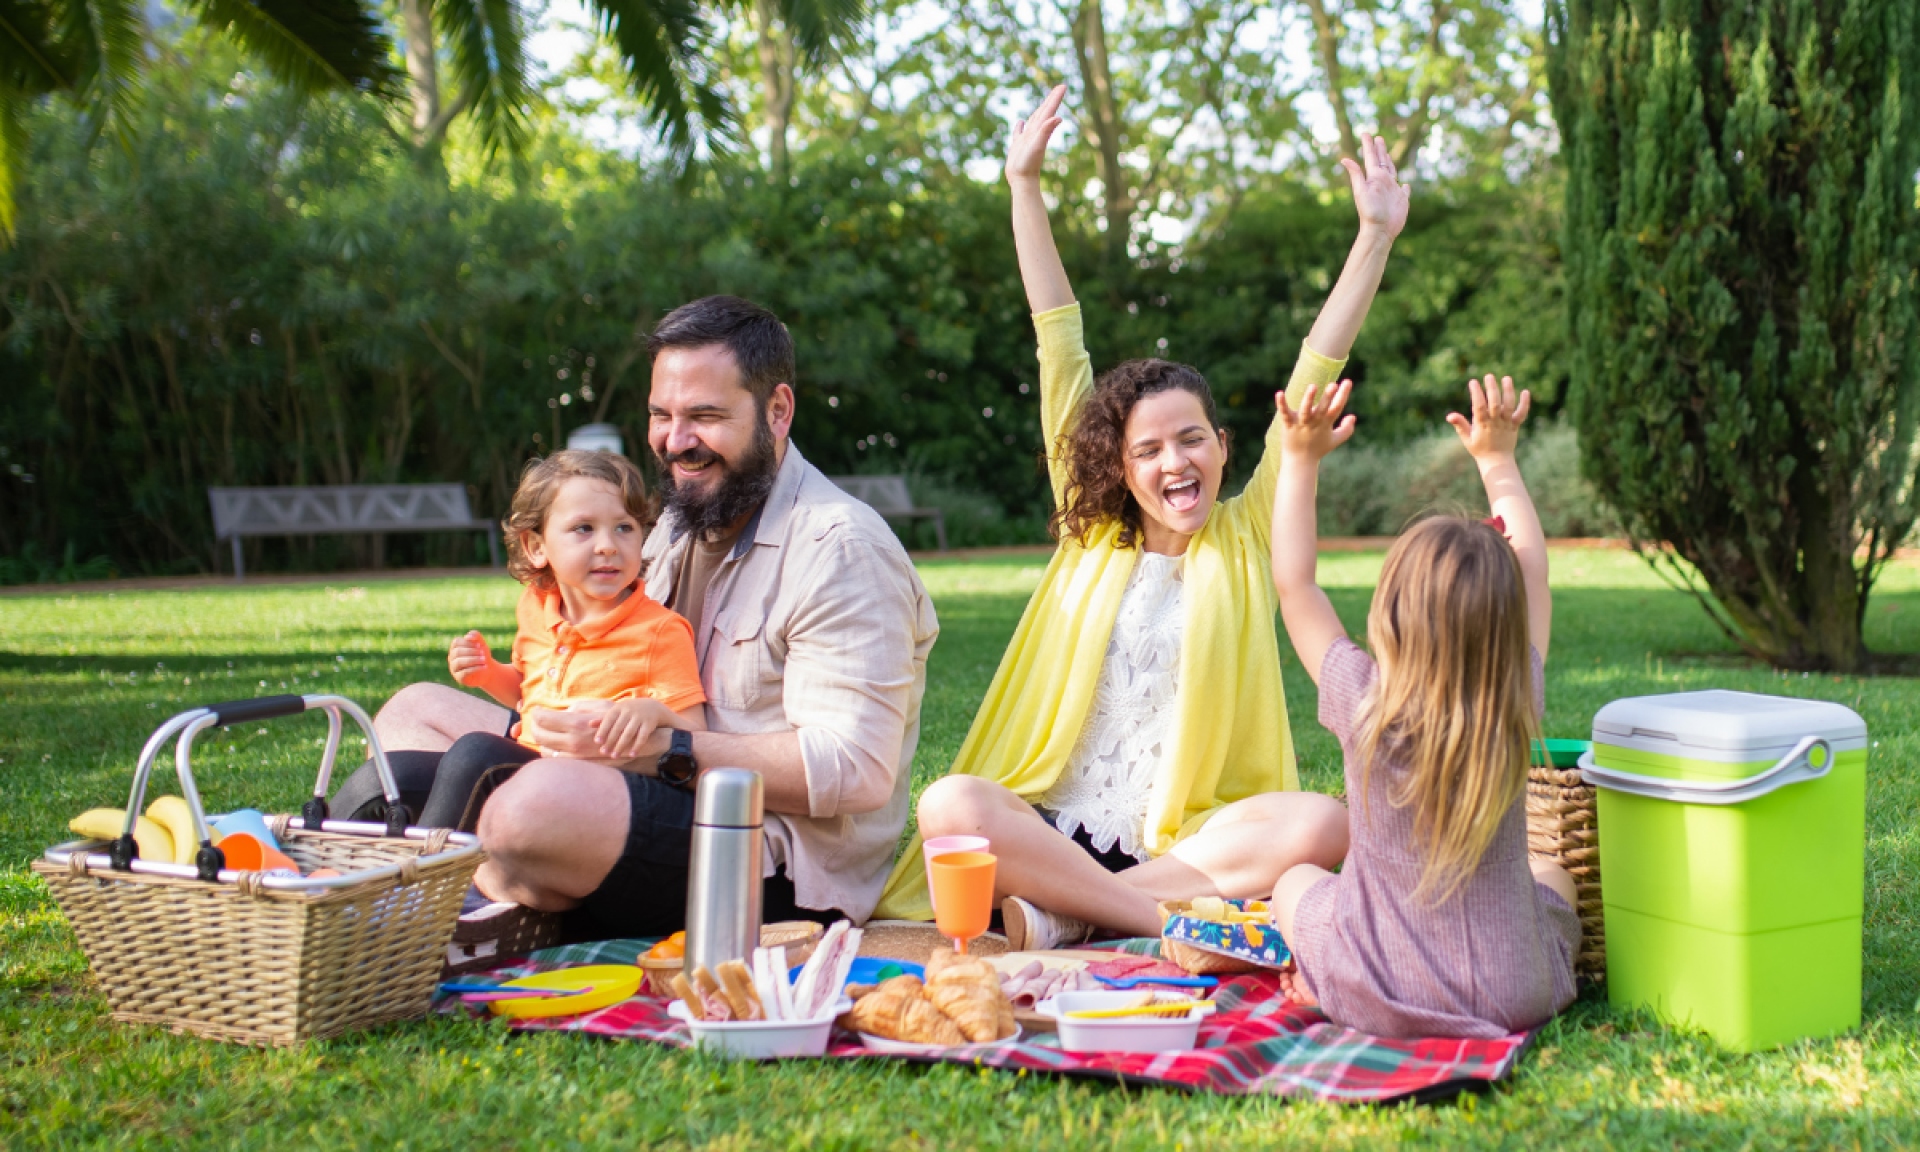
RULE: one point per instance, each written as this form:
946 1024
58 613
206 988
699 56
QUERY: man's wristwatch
676 765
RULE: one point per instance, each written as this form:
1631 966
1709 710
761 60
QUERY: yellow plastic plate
611 983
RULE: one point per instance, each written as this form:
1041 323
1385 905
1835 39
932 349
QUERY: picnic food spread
959 1002
734 992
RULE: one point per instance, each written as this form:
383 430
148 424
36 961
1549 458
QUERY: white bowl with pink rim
946 845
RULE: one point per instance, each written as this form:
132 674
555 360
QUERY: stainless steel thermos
723 877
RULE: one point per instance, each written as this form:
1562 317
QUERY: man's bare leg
430 717
552 833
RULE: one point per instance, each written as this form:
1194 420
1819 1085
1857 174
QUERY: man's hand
625 726
469 660
1498 413
1320 426
1027 150
1378 195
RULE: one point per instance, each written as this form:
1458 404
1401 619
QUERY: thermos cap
729 798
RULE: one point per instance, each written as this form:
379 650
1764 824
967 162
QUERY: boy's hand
1497 415
1319 427
1027 150
1378 195
625 726
469 659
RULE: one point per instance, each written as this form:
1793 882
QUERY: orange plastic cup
245 853
962 885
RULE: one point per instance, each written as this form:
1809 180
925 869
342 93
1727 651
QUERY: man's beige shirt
816 623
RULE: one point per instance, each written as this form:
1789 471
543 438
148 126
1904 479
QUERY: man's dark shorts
646 893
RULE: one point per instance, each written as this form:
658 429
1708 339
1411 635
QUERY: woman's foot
1029 929
1293 984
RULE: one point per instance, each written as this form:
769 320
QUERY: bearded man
811 629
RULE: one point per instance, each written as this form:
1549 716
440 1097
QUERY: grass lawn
83 679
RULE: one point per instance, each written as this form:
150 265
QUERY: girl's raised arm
1306 437
1040 268
1490 437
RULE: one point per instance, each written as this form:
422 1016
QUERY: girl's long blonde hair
1454 700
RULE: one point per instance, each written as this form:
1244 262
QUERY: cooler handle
1810 759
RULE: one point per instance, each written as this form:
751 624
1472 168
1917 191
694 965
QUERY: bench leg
493 543
239 568
940 528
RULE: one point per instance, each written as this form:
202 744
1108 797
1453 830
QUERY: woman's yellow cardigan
1231 738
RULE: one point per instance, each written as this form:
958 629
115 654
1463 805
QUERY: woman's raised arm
1040 268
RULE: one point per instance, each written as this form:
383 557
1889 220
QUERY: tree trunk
1103 117
423 73
1326 38
775 45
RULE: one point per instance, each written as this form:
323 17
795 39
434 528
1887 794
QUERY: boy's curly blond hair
540 484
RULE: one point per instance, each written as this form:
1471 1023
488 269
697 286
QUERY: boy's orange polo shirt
638 649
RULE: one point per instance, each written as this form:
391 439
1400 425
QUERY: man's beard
742 488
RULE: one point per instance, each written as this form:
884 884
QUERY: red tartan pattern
1256 1043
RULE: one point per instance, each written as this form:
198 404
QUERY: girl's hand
1319 427
1378 195
1497 415
625 726
469 659
1027 150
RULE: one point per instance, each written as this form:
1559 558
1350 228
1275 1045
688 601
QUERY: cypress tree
1740 247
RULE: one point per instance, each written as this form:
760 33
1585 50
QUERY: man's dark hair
760 344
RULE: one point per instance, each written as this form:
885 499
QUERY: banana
172 813
151 839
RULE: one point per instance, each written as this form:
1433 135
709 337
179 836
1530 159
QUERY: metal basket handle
209 860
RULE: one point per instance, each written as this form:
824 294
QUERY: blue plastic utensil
502 992
1163 981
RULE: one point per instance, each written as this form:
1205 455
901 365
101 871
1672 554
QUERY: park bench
887 495
344 509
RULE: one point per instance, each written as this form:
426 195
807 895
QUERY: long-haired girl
1438 924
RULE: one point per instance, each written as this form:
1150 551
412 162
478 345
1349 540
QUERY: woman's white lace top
1110 773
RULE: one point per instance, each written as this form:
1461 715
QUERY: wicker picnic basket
258 958
1563 827
1197 961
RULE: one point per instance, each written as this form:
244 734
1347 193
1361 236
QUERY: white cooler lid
1726 726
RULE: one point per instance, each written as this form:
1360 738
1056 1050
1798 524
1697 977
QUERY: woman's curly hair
540 485
1094 448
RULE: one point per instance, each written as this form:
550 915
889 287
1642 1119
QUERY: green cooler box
1733 829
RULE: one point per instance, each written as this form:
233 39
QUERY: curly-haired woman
1133 746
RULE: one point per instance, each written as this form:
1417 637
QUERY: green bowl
1561 753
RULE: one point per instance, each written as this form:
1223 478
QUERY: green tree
1740 249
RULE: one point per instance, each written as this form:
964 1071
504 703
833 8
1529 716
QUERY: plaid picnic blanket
1256 1043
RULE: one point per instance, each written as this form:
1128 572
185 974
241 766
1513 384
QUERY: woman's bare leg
1244 849
1035 861
1239 853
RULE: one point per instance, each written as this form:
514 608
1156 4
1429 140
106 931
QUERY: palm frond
483 38
821 27
108 39
32 61
311 45
662 43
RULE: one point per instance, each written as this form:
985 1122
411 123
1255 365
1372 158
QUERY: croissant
882 1011
968 990
925 1024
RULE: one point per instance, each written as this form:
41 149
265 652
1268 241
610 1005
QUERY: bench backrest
883 493
344 508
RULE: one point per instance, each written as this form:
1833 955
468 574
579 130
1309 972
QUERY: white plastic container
761 1039
1171 1033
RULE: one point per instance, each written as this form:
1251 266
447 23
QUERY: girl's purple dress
1496 957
